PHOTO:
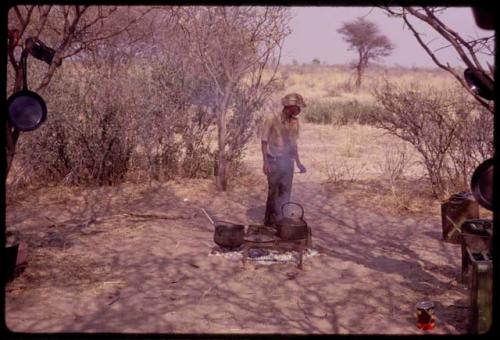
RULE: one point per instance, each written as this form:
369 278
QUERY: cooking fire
267 244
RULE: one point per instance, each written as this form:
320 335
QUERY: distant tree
364 37
467 49
316 61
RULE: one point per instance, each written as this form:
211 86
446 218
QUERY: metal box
458 208
481 287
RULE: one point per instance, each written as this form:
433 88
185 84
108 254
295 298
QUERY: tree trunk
11 133
359 74
360 69
221 178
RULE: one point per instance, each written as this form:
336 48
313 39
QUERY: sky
314 35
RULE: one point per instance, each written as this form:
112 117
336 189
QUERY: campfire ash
262 256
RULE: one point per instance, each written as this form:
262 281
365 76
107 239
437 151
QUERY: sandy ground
136 258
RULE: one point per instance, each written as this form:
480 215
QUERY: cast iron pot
228 235
292 226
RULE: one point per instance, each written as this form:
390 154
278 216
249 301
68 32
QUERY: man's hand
301 167
265 168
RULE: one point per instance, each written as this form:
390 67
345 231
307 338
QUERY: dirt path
127 272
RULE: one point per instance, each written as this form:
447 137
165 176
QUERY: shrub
87 138
117 118
319 112
451 132
339 113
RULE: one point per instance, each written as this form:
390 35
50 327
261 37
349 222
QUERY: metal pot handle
302 209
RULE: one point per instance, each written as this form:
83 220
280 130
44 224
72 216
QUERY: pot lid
292 210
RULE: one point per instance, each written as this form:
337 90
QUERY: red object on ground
426 326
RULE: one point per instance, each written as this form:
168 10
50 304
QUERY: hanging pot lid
482 184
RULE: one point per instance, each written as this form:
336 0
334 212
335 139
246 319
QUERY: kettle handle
301 208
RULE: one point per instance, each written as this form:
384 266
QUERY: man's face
292 111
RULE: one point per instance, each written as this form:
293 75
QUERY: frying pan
482 184
480 83
26 110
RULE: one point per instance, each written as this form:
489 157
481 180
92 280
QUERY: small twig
303 311
113 282
206 292
165 217
116 299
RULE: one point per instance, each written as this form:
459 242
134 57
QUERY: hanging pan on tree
26 110
482 178
482 184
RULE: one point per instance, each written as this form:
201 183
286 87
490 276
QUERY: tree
364 37
468 50
69 30
237 51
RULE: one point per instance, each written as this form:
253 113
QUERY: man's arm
301 166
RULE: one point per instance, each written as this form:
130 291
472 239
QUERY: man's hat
293 99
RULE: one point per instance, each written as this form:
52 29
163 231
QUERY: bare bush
88 138
450 132
393 167
338 170
395 163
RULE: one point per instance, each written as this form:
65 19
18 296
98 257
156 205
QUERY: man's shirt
281 135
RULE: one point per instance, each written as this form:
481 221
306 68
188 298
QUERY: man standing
279 152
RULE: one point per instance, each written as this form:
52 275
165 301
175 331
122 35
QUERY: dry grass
368 166
334 82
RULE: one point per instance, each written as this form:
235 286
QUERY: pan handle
208 216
